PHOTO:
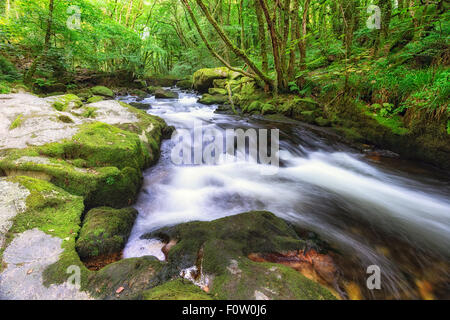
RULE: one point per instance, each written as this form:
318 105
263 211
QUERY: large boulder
105 231
102 91
223 257
203 79
96 151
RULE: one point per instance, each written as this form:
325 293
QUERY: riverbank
71 165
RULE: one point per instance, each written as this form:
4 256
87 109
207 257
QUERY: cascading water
375 213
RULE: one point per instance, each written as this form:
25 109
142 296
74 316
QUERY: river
387 212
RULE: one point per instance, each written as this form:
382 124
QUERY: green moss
176 290
65 119
134 275
114 159
203 78
62 103
394 123
185 84
17 122
321 121
275 281
102 91
105 231
95 99
89 112
217 91
231 236
209 99
57 213
217 244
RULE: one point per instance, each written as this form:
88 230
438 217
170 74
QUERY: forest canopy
285 45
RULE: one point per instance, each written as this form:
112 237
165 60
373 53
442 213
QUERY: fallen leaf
120 290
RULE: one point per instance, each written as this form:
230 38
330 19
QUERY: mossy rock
102 91
245 280
209 99
322 122
139 93
140 105
203 79
176 290
134 275
152 89
231 240
185 84
67 102
165 94
95 99
112 160
217 91
260 107
105 231
65 119
57 213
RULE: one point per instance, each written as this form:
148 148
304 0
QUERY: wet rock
216 256
217 91
133 275
105 231
142 106
185 84
165 94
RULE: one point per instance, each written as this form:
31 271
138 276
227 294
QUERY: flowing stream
372 210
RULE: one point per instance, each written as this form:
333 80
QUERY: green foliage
8 72
16 123
4 87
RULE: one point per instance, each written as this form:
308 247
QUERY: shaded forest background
397 61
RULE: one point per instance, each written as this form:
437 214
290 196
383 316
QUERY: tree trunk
237 51
29 75
303 35
262 37
281 83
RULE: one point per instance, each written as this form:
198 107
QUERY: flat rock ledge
28 255
27 120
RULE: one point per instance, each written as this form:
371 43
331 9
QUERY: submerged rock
105 231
